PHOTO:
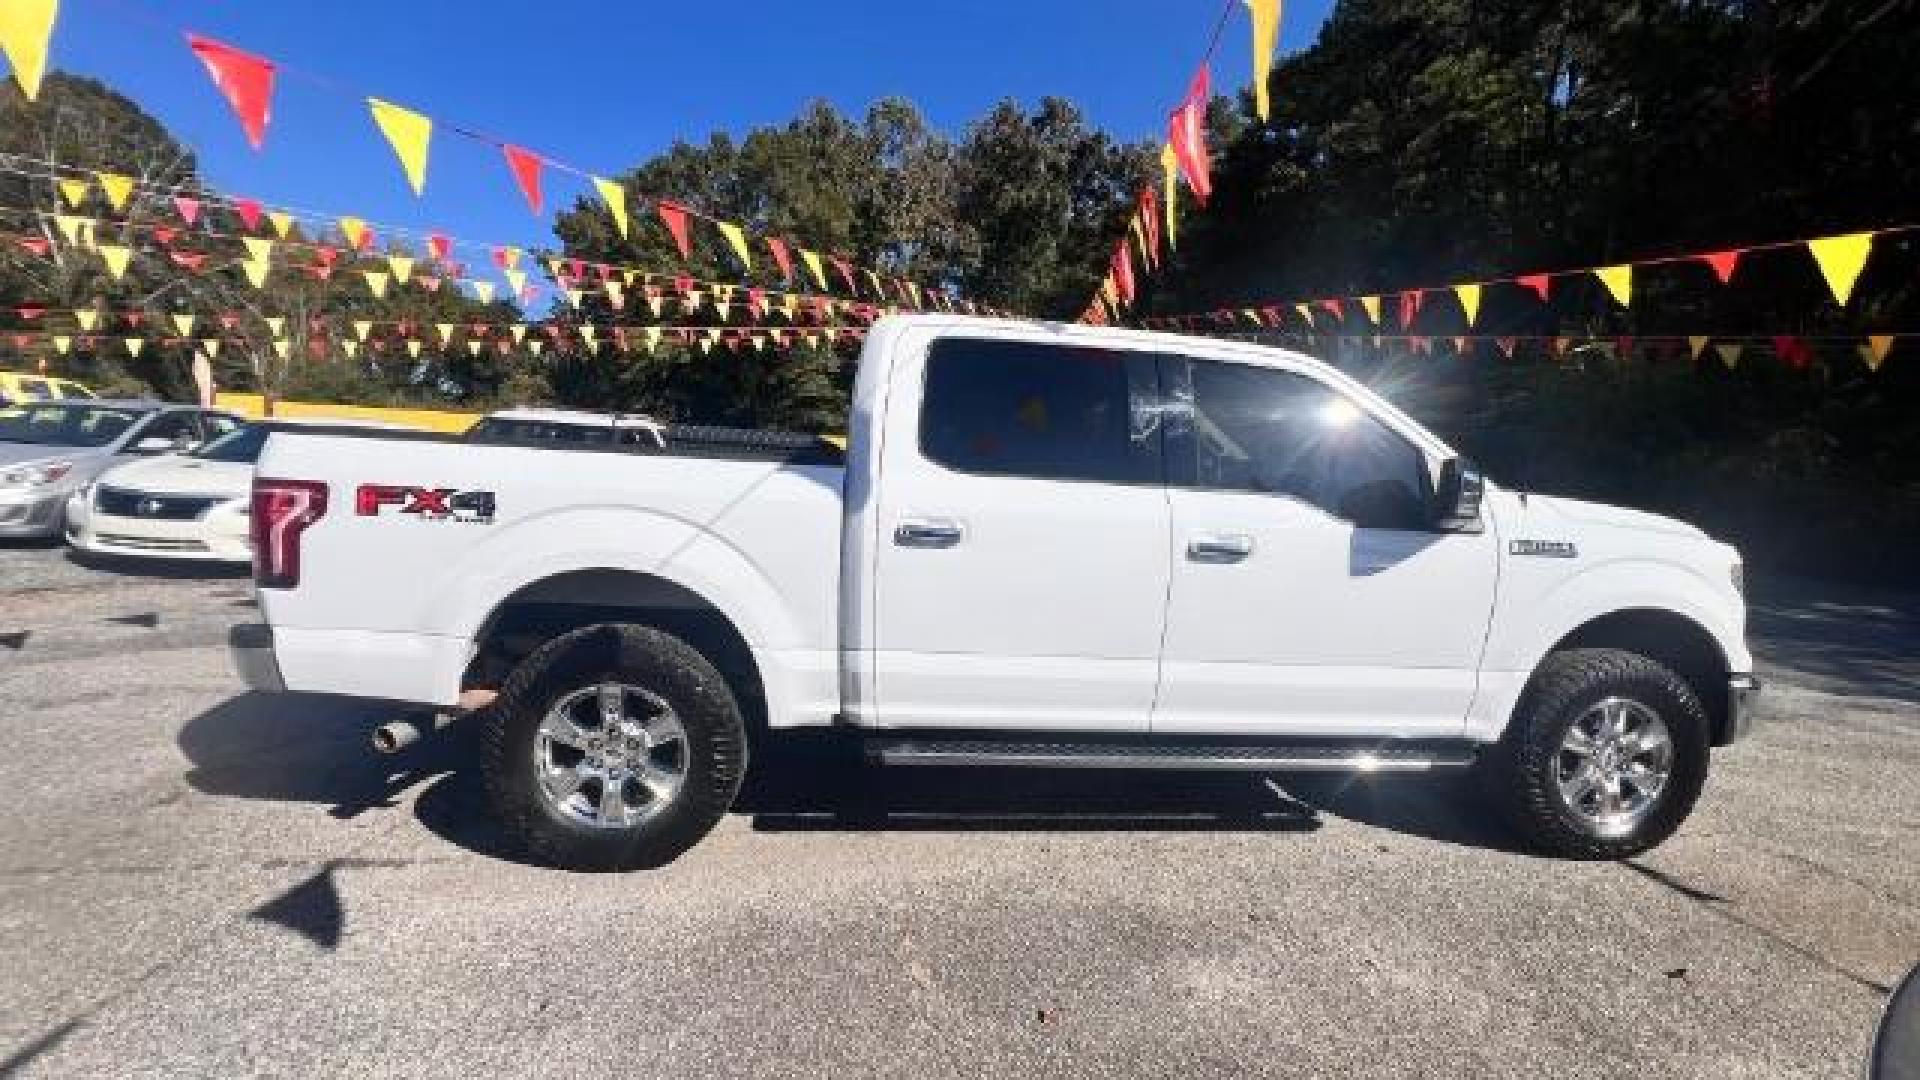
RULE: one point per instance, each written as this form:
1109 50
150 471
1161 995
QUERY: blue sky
604 86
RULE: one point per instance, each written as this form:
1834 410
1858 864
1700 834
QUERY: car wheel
613 747
1604 758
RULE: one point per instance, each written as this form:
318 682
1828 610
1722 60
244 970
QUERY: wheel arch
1668 637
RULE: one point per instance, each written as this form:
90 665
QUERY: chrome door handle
1219 548
928 533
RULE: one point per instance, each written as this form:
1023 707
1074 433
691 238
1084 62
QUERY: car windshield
241 444
64 424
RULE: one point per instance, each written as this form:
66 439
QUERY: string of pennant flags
261 228
1796 350
248 82
1184 158
1840 260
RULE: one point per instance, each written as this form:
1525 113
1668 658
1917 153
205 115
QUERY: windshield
241 444
63 424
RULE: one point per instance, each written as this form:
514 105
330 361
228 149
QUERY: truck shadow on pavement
314 749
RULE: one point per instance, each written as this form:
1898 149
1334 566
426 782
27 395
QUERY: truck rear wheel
1604 758
613 747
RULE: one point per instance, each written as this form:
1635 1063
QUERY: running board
1348 756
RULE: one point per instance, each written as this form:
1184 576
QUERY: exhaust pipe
391 738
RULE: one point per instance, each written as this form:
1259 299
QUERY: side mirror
153 444
1456 498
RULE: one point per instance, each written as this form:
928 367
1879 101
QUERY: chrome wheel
610 756
1615 761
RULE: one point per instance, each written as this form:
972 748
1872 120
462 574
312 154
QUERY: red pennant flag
525 166
578 267
133 317
439 246
164 234
189 259
1339 311
1623 347
500 257
780 257
319 271
249 211
1723 263
756 301
1187 132
32 312
846 271
1536 282
1150 219
1506 345
1409 307
1123 271
428 282
1794 352
605 272
326 254
229 320
36 244
188 206
245 79
21 341
675 217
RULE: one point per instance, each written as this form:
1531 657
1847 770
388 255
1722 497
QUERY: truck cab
1045 545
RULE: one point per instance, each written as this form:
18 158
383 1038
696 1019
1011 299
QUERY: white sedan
182 506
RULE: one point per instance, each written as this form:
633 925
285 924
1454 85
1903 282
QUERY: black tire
716 747
1521 770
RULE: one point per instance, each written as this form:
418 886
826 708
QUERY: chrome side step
1359 757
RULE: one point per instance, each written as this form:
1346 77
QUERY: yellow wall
429 419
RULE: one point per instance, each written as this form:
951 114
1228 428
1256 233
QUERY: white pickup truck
1045 545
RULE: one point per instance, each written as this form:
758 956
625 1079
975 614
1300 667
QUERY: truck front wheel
613 747
1604 758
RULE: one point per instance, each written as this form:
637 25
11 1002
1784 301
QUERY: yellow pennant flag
615 294
259 248
88 318
516 280
474 346
519 332
574 295
183 322
615 197
483 291
706 346
26 27
1305 312
117 258
376 282
657 304
211 346
62 344
283 348
355 230
276 325
739 241
402 268
1469 301
408 133
256 271
445 330
590 334
630 275
413 348
1697 344
1266 38
74 191
134 345
117 187
1371 305
812 259
76 230
1619 282
282 223
1170 167
362 328
693 300
1841 259
722 307
536 346
653 338
1729 353
790 306
1875 351
351 348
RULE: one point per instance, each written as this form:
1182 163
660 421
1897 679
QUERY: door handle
1219 548
928 533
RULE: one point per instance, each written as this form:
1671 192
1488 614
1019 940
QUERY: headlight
38 474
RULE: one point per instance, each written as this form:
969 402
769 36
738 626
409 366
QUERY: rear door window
1057 412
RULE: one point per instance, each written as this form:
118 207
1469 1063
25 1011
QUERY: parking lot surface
198 881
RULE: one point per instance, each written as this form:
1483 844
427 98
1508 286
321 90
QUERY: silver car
51 449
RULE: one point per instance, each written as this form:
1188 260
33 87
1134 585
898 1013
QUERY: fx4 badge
428 504
1544 549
